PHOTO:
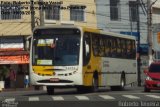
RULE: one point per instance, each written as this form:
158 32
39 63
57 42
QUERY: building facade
14 28
73 12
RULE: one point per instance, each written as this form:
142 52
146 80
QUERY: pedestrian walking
12 76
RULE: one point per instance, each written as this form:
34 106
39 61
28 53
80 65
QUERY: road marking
107 97
33 98
82 97
57 98
153 96
131 96
10 100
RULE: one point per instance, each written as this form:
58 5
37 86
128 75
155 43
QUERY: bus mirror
28 41
87 49
27 45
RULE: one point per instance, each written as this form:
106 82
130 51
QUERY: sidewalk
18 89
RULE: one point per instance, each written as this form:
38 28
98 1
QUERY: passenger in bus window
118 48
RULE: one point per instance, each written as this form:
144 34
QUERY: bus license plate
54 79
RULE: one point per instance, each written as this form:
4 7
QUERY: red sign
17 59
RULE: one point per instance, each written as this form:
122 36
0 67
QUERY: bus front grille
60 81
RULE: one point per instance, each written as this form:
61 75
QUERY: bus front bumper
55 83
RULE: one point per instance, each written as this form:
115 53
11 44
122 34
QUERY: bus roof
94 30
88 29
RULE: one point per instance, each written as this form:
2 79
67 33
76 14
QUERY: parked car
152 81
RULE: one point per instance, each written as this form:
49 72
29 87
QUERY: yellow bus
81 57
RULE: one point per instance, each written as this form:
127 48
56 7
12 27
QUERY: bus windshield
56 49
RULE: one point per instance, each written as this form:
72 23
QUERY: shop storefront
13 55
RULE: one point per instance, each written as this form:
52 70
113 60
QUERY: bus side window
133 50
106 50
95 44
128 49
118 48
109 47
102 46
123 44
86 49
113 48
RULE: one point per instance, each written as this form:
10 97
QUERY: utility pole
32 14
149 17
41 13
138 45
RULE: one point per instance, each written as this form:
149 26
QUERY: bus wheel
50 90
123 83
36 87
121 86
95 84
81 89
114 88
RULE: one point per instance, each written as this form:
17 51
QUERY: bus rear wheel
121 86
50 90
94 87
123 83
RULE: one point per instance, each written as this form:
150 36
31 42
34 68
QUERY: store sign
17 59
11 43
136 34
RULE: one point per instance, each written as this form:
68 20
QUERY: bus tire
81 89
50 90
122 84
94 87
123 81
36 87
114 88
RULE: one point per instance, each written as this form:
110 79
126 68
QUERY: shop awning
14 28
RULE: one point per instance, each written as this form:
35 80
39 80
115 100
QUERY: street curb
18 89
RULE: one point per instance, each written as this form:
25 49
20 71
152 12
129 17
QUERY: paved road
134 94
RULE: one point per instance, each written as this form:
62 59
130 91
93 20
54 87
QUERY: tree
3 72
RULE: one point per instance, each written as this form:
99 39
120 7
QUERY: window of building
114 9
77 13
133 11
53 12
10 11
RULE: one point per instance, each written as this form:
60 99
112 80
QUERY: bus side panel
112 69
94 65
